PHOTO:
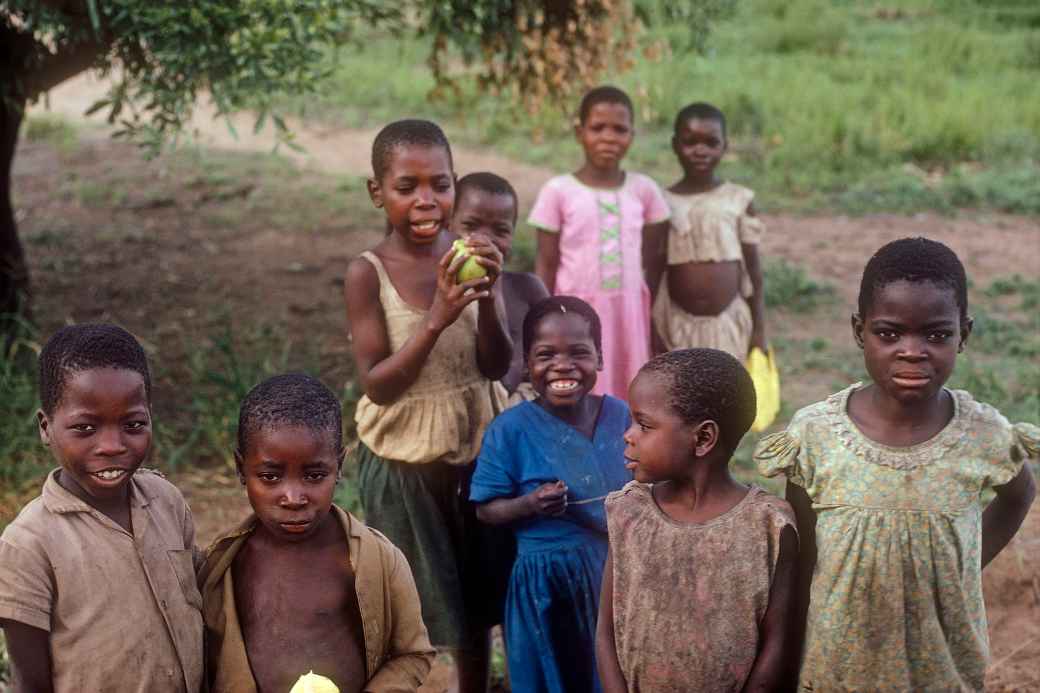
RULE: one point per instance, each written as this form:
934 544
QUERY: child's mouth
426 229
110 474
563 386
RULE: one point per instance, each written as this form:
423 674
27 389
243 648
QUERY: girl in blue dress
545 468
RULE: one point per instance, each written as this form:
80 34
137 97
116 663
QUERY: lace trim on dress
906 458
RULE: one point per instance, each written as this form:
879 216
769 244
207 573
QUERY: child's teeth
110 474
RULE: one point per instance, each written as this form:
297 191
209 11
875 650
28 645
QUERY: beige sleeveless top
442 416
710 226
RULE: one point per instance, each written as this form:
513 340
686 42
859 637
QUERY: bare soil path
169 261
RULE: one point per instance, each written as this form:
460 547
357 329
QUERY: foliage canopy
162 56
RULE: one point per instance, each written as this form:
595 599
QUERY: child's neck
692 183
595 177
582 415
706 492
890 422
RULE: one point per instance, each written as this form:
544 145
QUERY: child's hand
451 298
548 499
758 339
486 254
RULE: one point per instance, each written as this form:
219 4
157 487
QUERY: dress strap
387 290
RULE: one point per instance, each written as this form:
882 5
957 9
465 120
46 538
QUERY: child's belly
704 288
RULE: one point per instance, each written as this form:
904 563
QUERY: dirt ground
167 270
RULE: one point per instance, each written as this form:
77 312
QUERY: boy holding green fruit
303 586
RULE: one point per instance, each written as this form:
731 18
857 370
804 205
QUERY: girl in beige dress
711 295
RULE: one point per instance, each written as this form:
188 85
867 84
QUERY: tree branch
55 68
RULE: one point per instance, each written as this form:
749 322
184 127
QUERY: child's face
290 477
563 360
910 338
101 430
491 215
606 135
699 144
658 444
417 190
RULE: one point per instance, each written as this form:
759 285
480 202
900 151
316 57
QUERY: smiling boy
97 589
302 585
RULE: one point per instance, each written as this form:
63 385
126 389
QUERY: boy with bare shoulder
486 203
303 585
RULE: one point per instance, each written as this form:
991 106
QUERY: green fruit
313 683
471 269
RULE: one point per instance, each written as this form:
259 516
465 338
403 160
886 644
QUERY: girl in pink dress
601 234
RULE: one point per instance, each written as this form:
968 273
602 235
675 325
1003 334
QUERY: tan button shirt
398 654
123 611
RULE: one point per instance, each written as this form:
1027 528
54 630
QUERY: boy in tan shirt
302 585
96 575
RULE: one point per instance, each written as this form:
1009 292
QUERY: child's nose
110 442
294 497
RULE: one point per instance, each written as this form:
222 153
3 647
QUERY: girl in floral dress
887 481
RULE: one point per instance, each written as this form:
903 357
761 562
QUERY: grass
840 104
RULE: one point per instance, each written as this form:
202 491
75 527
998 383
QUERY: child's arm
805 518
1005 514
494 345
757 302
409 654
610 675
29 650
547 500
773 670
547 259
655 255
386 375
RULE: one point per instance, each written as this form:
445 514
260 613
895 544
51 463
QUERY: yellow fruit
313 683
471 269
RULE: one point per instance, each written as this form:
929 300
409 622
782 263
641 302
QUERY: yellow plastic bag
762 368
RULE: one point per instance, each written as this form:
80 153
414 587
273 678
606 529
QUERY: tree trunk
14 273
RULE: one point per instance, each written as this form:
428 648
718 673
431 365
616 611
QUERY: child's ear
966 327
238 467
705 438
44 424
857 329
375 193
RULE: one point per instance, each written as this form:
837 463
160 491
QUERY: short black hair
708 384
604 94
76 348
489 183
555 305
913 260
412 131
292 399
700 111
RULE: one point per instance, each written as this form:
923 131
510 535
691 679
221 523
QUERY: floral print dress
896 601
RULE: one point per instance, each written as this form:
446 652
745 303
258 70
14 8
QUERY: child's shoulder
991 431
773 509
160 490
632 495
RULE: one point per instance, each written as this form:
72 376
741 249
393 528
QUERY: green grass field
851 105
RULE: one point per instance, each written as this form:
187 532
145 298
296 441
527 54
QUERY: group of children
527 459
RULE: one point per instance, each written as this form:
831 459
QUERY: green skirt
461 566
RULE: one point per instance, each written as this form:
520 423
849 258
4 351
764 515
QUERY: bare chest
299 618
